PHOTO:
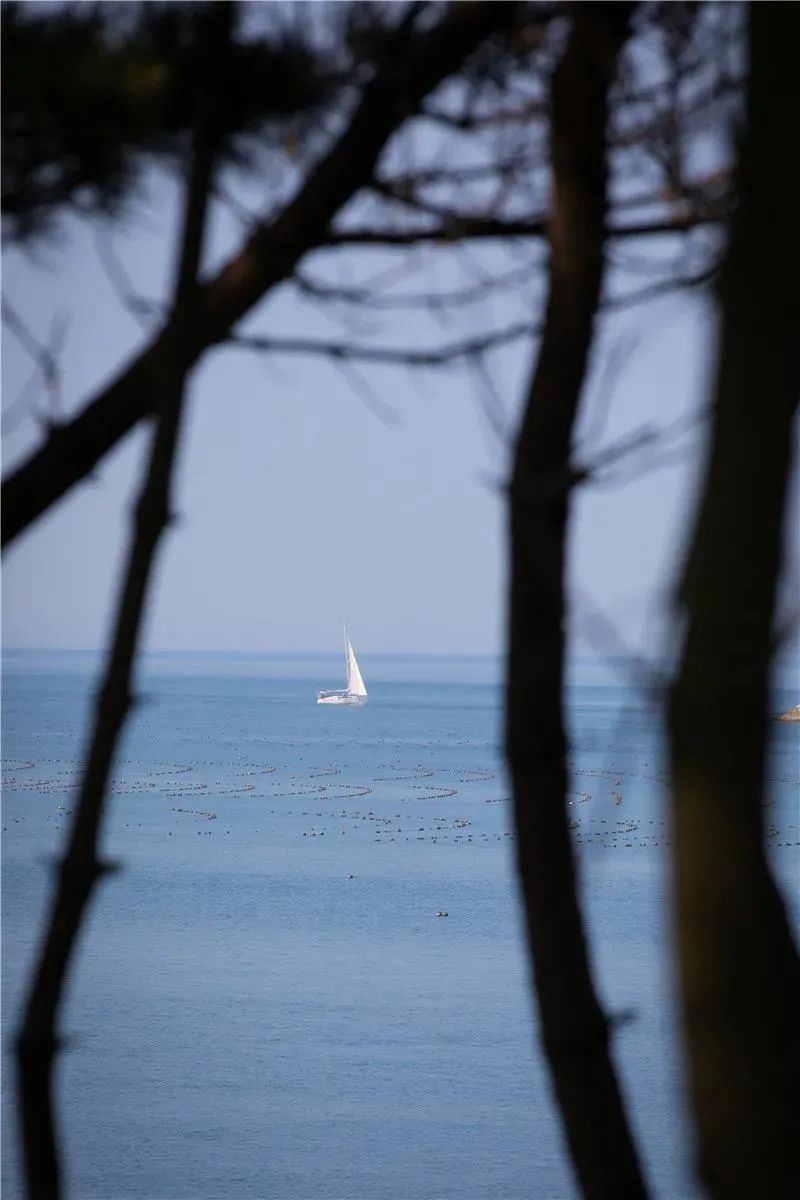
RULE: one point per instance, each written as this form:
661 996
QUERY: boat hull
352 700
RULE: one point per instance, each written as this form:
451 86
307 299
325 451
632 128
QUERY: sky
300 509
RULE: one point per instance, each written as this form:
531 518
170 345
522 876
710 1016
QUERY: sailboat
354 692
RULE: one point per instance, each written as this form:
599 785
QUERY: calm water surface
265 1003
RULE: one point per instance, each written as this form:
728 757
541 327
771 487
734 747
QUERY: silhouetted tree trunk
574 1030
81 867
739 969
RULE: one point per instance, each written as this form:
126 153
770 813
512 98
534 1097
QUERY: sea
308 978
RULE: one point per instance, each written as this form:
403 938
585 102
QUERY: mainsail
355 684
354 691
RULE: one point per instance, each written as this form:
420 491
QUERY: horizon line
294 653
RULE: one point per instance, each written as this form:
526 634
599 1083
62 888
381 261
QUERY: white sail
355 684
354 692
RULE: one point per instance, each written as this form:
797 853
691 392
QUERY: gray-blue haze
265 1002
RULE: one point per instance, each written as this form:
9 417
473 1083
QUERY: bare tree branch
366 294
491 402
411 69
465 122
117 276
30 344
439 356
399 185
457 228
368 395
45 359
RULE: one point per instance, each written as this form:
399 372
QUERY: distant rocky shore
791 714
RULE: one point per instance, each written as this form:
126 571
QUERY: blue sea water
265 1003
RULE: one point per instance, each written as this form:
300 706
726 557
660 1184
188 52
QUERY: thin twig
45 359
40 353
491 402
437 356
367 394
365 294
456 227
117 276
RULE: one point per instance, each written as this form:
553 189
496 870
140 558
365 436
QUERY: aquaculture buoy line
321 801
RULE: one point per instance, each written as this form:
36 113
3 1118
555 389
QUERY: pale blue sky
300 509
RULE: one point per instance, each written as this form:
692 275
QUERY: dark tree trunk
81 867
574 1030
739 969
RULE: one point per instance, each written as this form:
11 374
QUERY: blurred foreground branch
81 866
